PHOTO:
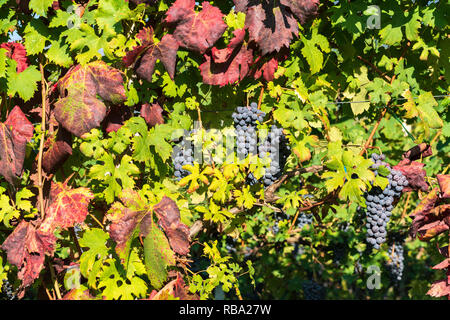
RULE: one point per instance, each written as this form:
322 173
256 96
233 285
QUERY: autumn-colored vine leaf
17 52
444 185
26 248
152 114
157 255
271 24
421 150
15 132
414 173
148 52
229 65
79 109
166 51
81 293
57 149
169 220
126 218
196 31
267 69
440 288
115 118
67 207
174 289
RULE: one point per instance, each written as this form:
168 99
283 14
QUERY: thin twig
369 140
41 146
55 281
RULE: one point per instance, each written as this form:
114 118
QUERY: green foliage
333 88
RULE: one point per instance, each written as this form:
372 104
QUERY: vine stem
406 206
41 146
55 281
261 94
369 140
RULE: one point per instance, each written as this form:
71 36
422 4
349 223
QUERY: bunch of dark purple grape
380 203
183 154
245 122
304 219
395 265
313 291
7 292
276 147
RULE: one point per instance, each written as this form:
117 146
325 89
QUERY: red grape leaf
271 23
129 218
196 31
78 109
17 52
57 149
226 66
444 185
442 265
267 70
67 207
431 230
14 134
115 118
414 173
169 220
152 114
26 248
149 52
439 288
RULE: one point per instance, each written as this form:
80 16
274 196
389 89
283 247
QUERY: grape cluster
381 202
183 154
245 121
313 291
303 219
7 292
395 265
276 147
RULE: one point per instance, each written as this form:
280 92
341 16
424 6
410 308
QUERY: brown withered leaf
152 114
67 207
15 132
196 31
57 148
439 289
414 173
169 220
421 150
444 185
431 230
26 248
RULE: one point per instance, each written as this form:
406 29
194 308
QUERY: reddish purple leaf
26 248
196 31
226 66
439 288
271 24
115 118
422 150
57 149
267 70
152 114
17 52
414 173
169 220
14 134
